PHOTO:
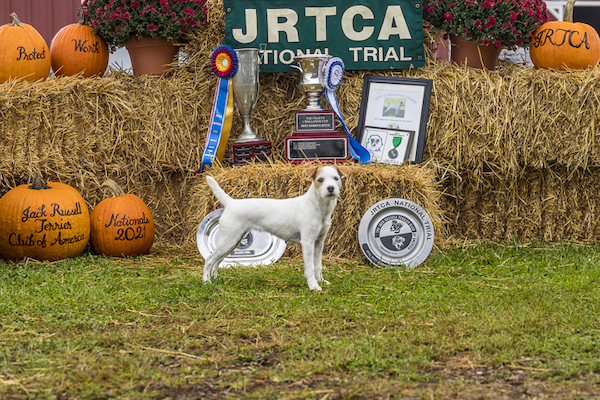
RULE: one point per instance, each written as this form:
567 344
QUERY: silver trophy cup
245 90
311 66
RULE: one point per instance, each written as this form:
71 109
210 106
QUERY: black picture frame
395 104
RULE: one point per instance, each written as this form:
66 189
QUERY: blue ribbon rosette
332 77
224 64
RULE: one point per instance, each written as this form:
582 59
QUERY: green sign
368 34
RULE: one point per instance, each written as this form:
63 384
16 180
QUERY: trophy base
328 148
257 151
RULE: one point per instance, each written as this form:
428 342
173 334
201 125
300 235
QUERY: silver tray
396 232
255 248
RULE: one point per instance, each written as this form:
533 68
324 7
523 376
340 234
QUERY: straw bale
363 187
545 205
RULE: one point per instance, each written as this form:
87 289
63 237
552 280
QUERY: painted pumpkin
23 52
563 44
43 221
122 225
77 49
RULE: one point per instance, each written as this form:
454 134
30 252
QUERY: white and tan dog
305 219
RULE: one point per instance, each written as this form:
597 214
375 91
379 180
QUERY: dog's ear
342 170
311 172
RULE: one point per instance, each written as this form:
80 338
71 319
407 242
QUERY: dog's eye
335 178
320 180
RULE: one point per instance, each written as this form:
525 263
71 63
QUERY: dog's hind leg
228 241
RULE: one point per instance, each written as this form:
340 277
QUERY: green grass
487 320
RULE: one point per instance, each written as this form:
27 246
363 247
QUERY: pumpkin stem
568 13
15 20
80 13
38 183
113 187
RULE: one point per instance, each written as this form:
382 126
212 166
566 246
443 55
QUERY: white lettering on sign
284 20
251 29
376 54
286 56
348 23
394 24
320 14
287 26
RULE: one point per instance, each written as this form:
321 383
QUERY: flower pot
150 56
464 52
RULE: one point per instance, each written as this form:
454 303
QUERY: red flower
448 16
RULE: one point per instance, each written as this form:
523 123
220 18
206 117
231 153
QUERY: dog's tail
220 194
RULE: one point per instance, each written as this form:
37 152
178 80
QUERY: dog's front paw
315 287
325 282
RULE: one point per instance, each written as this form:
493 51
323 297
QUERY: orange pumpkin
122 225
77 49
564 45
23 52
43 221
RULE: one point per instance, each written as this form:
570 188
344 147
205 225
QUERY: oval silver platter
396 232
256 247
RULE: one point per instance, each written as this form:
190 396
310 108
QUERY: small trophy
249 146
315 136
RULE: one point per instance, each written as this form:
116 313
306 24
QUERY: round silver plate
396 232
255 248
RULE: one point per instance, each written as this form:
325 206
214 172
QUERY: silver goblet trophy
249 146
311 66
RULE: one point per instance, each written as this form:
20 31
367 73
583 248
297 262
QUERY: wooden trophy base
315 138
248 152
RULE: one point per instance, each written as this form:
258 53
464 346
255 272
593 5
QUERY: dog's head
327 180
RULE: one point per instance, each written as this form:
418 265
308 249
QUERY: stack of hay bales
510 154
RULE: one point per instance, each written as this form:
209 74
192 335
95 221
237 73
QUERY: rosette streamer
224 64
332 77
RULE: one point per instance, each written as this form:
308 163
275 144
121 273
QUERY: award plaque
396 232
256 247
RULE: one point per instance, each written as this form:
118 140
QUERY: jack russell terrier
305 219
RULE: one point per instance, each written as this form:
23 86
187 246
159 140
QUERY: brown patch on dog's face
317 179
311 172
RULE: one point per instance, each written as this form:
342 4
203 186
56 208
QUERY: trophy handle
261 53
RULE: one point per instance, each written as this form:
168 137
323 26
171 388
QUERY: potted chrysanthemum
490 24
146 25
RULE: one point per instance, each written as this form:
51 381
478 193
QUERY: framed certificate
396 109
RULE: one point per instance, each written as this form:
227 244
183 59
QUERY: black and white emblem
396 232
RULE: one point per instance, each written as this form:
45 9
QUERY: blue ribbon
334 72
217 119
224 65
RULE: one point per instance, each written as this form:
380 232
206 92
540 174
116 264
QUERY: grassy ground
498 321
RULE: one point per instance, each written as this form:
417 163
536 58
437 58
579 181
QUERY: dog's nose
330 189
